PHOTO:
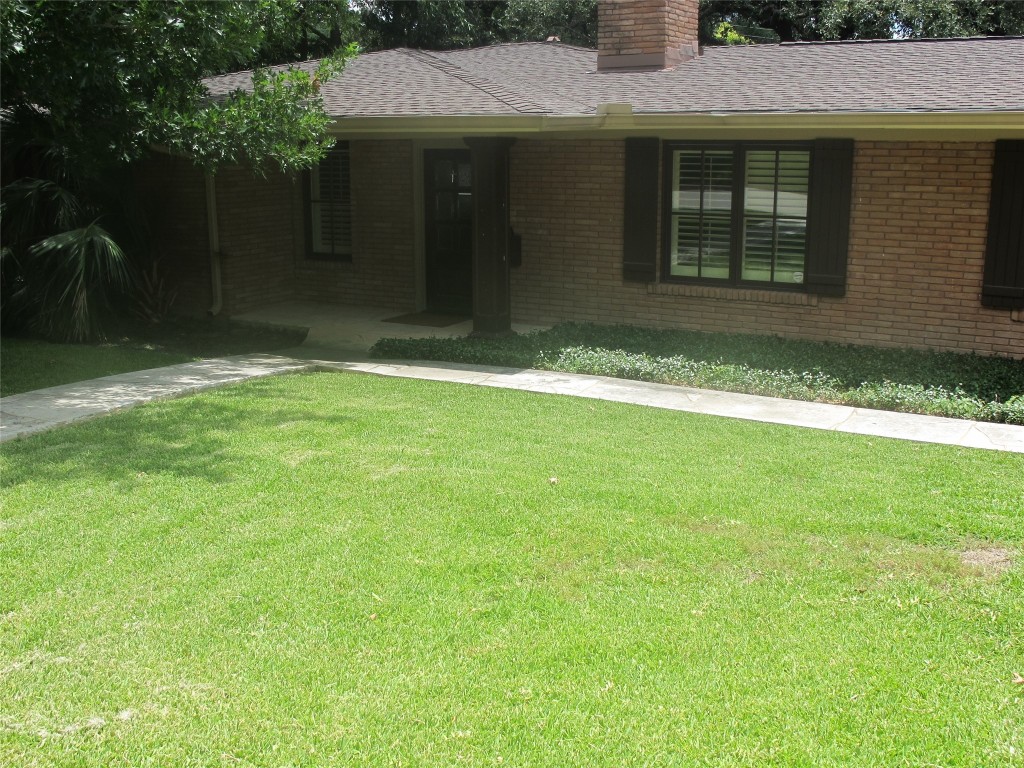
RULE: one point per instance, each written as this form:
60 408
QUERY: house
867 192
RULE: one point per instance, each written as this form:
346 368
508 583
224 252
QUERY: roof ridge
575 48
507 44
506 96
560 44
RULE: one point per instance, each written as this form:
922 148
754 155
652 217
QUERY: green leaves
112 78
34 201
86 88
277 125
440 24
861 19
67 274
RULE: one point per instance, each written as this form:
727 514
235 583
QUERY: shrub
938 383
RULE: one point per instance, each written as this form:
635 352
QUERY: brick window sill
722 293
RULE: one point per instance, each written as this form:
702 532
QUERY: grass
915 381
336 569
28 363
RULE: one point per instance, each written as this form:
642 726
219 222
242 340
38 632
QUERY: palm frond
71 270
29 206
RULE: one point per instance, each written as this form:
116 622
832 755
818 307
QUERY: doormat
432 319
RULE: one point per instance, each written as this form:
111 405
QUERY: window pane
331 203
685 249
759 197
794 170
444 173
465 206
792 248
758 246
718 181
715 241
686 181
701 213
775 215
444 206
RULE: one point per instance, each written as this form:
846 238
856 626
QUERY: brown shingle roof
955 75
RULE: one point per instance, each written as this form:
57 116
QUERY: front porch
341 330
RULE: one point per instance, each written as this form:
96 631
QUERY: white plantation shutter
775 215
738 212
331 203
749 214
701 212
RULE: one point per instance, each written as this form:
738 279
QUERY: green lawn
27 364
336 569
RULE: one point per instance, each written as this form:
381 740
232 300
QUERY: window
737 213
329 206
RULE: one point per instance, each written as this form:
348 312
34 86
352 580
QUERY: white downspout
212 228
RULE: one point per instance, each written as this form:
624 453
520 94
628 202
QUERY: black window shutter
828 216
1003 285
640 214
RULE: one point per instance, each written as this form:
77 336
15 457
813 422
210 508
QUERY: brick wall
917 248
914 274
383 268
262 233
644 28
918 231
258 237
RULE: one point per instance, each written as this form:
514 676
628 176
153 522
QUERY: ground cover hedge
966 386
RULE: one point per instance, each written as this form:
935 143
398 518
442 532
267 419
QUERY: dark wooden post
492 297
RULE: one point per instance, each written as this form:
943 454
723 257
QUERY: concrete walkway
44 409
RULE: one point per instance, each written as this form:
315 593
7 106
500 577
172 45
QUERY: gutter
615 120
216 289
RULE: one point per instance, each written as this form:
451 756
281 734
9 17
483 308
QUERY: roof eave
975 125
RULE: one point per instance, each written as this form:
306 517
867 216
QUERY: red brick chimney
645 34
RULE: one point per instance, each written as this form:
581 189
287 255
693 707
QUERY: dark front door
448 225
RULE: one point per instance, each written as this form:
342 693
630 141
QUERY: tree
444 24
315 28
796 20
440 24
572 21
88 87
429 24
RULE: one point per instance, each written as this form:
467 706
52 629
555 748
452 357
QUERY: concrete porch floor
347 332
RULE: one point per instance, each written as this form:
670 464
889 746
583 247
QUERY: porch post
492 298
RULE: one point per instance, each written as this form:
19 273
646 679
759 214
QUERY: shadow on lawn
201 441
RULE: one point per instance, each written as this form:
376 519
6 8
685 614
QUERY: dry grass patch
988 561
